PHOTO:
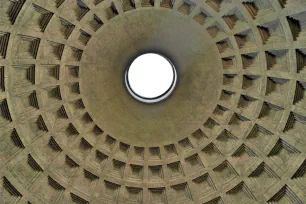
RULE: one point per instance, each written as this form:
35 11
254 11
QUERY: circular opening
150 78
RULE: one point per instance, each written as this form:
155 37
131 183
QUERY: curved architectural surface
232 131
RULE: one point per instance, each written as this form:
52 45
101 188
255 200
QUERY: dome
230 127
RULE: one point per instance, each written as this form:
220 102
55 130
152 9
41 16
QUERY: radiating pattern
252 148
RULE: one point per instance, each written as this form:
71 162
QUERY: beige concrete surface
233 131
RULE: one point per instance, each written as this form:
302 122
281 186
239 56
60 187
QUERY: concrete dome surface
232 131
